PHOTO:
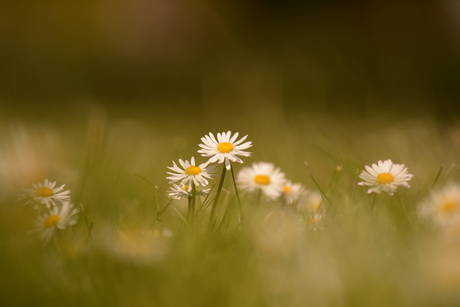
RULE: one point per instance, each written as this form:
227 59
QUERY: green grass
117 254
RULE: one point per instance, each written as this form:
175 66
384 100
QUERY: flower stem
373 203
240 213
192 206
189 208
214 204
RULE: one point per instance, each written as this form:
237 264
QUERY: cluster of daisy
441 208
264 179
224 148
55 210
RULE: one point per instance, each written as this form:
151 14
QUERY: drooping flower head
442 206
181 191
46 194
225 148
262 176
190 173
385 176
59 217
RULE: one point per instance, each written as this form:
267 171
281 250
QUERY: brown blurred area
165 58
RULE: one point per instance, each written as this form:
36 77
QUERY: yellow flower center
314 206
287 189
224 147
262 179
185 188
192 170
51 221
385 178
44 192
448 207
312 220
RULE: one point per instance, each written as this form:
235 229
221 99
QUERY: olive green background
157 60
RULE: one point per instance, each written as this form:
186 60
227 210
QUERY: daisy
181 191
46 194
136 245
292 191
224 148
310 202
385 176
57 218
442 206
262 176
314 219
190 173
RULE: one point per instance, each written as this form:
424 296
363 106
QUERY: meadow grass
133 246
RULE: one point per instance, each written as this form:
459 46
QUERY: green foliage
133 246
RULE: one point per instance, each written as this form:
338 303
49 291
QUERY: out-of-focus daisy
442 206
310 202
292 191
190 173
60 217
313 220
309 205
135 245
385 176
225 148
45 193
181 191
262 176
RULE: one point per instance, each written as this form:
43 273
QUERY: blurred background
220 61
102 95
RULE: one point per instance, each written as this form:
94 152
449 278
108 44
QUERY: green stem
214 204
192 207
354 188
189 207
240 214
373 203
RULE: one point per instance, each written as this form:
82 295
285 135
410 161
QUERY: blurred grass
357 257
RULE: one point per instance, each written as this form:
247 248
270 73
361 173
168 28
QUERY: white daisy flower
181 191
225 148
442 206
136 245
385 176
57 218
190 173
314 219
292 191
45 193
310 202
262 176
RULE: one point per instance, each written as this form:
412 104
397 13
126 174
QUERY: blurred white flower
442 206
60 217
292 191
309 202
45 194
385 176
262 176
225 148
136 245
